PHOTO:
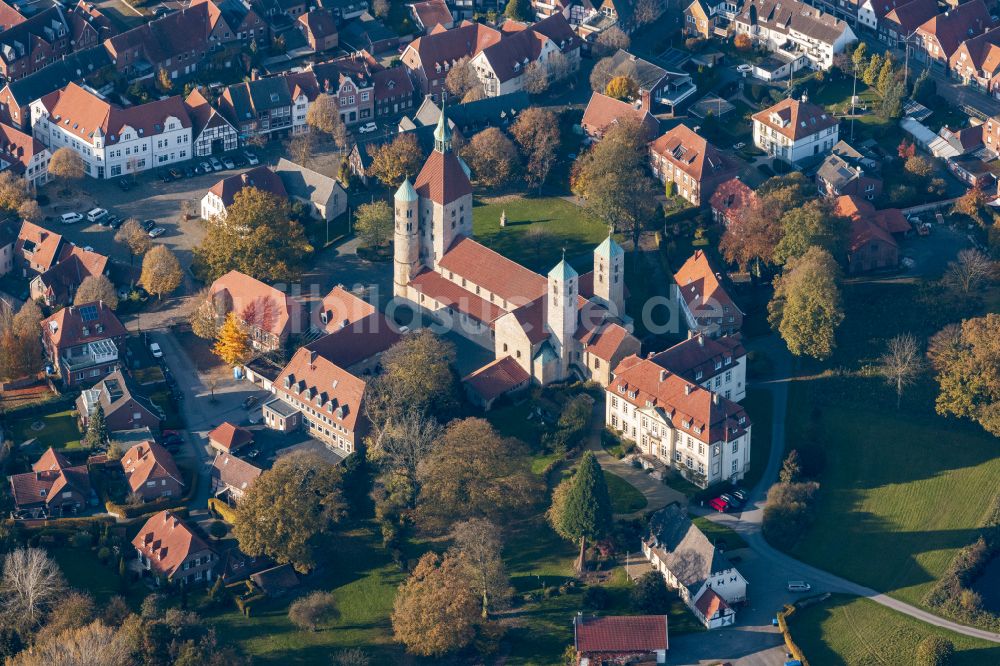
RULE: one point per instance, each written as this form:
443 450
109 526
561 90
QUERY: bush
218 529
222 510
104 554
313 610
789 512
934 651
650 595
596 598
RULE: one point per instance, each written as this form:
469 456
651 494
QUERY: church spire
442 134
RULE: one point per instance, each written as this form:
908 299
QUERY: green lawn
759 406
538 230
84 571
625 498
60 430
715 531
851 630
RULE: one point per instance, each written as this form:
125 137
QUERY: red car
719 504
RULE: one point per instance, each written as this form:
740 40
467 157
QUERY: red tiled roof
634 633
66 327
449 294
46 244
868 224
602 341
432 13
319 23
269 308
18 146
230 437
49 461
685 149
9 17
341 307
447 46
328 388
442 179
166 541
703 292
492 271
710 603
203 115
602 111
508 56
909 16
392 82
260 177
953 27
50 475
700 353
496 378
732 195
795 119
148 461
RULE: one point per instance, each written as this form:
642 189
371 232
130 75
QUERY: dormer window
729 360
698 375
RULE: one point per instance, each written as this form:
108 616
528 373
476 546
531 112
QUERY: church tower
406 239
609 276
561 315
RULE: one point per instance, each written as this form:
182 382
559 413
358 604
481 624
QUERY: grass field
84 571
846 631
715 532
59 431
538 230
625 498
904 483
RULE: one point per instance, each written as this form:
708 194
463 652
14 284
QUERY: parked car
798 586
249 401
157 232
96 214
106 222
367 128
240 161
116 222
148 224
718 504
743 67
205 167
164 175
739 145
228 162
216 164
188 172
251 158
154 349
741 494
70 218
124 184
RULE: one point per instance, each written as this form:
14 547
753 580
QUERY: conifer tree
581 506
97 429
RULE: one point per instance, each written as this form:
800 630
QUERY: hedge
794 649
43 407
219 508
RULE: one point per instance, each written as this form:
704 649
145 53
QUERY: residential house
319 27
501 66
341 308
34 43
16 96
357 346
618 13
169 549
210 131
603 111
345 10
709 18
218 199
270 315
902 20
276 581
9 17
53 487
703 299
37 249
717 364
24 155
84 342
124 405
393 92
232 477
58 284
227 438
8 242
703 576
89 26
657 86
234 24
151 472
429 58
323 196
795 130
620 639
363 88
976 61
730 200
848 171
111 140
936 40
950 144
678 423
429 14
695 167
794 29
271 107
873 241
367 33
176 43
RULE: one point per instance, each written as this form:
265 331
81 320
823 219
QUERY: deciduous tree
901 364
859 57
558 67
812 224
611 40
300 148
492 157
518 10
478 547
161 272
31 585
602 73
581 506
742 42
67 166
374 223
751 238
95 644
324 116
287 510
473 472
969 272
806 308
314 610
886 76
622 87
14 192
393 161
535 79
461 78
435 611
966 360
207 316
650 595
233 343
134 237
971 203
381 8
257 238
874 68
934 651
537 134
405 443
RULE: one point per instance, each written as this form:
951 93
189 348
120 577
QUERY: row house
902 18
232 22
500 67
362 88
429 58
176 43
84 342
24 155
795 130
271 107
111 140
677 423
344 10
793 29
319 28
269 315
53 487
709 18
34 43
170 550
939 38
657 87
704 300
210 131
690 162
977 62
88 25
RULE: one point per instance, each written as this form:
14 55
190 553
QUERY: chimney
690 334
805 97
312 358
715 398
663 375
687 389
701 340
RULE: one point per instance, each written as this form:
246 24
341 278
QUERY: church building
562 326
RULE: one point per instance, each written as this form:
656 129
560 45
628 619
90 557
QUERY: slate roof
357 342
74 67
683 548
646 75
231 471
20 41
305 183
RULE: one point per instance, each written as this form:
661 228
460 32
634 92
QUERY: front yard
58 430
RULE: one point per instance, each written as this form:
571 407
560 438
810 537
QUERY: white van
96 214
798 586
70 218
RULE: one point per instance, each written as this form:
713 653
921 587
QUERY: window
734 467
736 446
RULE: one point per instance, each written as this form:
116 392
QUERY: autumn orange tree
622 87
233 344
